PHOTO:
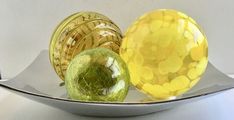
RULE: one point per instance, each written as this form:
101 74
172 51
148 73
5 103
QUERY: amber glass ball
79 32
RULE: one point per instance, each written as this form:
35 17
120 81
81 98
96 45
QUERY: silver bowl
40 83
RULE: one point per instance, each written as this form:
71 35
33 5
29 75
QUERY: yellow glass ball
166 53
79 32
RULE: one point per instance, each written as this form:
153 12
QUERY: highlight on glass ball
79 32
166 52
97 75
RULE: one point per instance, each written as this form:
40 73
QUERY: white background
26 25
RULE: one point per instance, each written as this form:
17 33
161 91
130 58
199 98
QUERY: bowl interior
39 78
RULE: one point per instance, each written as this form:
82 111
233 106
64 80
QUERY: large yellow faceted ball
166 53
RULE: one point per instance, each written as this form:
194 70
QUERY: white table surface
218 107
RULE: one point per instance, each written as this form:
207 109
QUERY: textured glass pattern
98 74
78 32
166 52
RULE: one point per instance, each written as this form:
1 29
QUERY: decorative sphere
97 75
166 53
78 32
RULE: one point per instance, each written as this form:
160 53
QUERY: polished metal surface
39 82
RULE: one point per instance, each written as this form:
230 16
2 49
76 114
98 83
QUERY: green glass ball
97 74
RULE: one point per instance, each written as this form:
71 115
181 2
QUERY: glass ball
79 32
166 53
97 74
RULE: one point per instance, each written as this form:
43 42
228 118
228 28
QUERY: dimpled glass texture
97 74
78 32
166 53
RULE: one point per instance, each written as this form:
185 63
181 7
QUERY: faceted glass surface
97 75
78 32
166 53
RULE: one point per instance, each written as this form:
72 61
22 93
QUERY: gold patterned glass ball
166 53
79 32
